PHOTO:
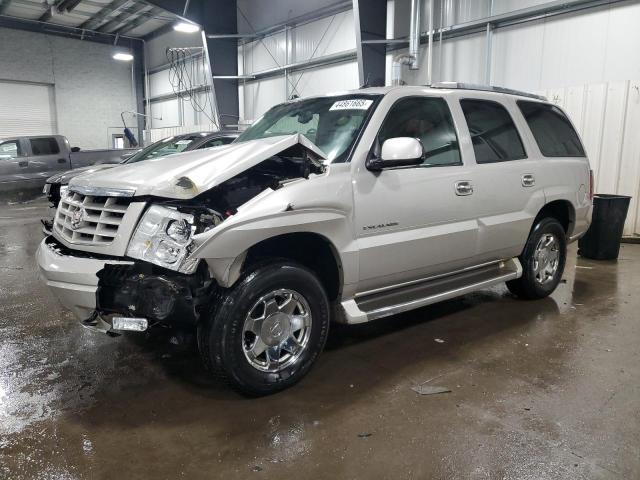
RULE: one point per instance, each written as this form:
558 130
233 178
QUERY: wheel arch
561 210
310 249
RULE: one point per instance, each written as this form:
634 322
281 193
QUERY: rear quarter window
551 129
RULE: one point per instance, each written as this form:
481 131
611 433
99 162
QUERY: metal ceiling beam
139 20
102 15
60 6
65 31
123 17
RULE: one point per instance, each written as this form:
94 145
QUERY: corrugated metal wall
333 34
607 115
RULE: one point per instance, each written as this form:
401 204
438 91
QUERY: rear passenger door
47 158
506 191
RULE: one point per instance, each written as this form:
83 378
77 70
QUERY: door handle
528 180
463 187
23 163
62 160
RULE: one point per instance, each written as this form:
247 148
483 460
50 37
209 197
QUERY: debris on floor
430 390
438 340
364 434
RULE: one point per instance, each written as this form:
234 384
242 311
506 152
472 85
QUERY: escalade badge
76 218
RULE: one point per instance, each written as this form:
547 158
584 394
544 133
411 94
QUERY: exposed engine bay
214 206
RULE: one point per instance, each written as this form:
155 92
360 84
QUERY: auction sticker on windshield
353 104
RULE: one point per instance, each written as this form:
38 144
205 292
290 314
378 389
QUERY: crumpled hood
186 175
64 177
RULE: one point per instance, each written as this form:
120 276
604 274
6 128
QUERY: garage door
26 109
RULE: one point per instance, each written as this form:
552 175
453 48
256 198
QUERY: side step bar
418 295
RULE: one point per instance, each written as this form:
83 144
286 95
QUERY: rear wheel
542 259
268 330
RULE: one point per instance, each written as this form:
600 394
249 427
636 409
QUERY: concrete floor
546 389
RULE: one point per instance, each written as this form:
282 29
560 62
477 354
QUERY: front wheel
268 330
542 259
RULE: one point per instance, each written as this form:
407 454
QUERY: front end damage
142 288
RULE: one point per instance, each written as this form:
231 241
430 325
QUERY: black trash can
602 240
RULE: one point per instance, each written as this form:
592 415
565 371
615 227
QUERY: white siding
315 39
607 115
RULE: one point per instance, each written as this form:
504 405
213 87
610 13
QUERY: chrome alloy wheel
546 258
276 330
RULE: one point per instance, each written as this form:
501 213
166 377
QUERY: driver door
14 165
413 222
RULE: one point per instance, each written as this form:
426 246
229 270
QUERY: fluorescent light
186 27
123 56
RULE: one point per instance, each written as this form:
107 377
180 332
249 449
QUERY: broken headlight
163 237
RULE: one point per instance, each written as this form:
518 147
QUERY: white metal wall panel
607 115
326 36
629 176
165 114
265 54
332 78
262 95
613 127
27 109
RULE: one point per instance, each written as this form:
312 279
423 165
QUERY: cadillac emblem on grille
76 218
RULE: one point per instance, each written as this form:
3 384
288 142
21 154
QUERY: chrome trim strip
425 279
103 191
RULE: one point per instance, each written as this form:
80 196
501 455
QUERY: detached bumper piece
156 294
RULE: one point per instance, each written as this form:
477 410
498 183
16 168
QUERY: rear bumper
72 279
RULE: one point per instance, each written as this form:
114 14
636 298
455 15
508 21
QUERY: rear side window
552 130
44 146
493 133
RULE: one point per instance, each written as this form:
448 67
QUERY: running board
392 302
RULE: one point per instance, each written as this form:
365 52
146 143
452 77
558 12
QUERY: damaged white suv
349 207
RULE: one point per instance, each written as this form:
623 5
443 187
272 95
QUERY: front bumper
96 289
72 279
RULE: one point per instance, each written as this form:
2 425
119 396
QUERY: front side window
552 130
332 123
429 120
10 149
493 133
44 146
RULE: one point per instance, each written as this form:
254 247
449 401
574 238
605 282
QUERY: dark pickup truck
27 162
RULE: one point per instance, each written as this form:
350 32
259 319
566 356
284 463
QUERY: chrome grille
90 220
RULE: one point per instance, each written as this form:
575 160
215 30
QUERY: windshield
164 147
332 123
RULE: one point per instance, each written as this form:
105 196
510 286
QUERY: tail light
590 184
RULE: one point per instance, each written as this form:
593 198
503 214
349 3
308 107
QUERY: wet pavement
544 389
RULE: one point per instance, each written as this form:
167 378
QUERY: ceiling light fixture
123 56
186 27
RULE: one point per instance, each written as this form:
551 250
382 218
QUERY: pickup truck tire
542 259
267 330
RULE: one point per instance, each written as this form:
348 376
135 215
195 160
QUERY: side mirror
75 149
398 152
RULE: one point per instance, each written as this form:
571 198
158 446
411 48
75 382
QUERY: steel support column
220 17
370 18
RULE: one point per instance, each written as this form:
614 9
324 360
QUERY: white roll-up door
27 109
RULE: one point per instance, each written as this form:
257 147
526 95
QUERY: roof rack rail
486 88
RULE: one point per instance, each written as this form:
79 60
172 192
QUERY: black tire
221 339
527 286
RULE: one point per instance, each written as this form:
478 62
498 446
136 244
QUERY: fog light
130 323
